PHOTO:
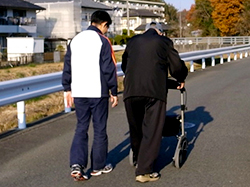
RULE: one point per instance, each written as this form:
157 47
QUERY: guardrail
22 89
212 53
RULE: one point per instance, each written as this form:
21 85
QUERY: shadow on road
120 152
200 118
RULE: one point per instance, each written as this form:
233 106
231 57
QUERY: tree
170 14
190 14
177 21
243 27
184 30
200 17
171 18
226 15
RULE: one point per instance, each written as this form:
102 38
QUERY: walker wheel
181 154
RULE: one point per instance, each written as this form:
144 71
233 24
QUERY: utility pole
180 26
180 21
128 33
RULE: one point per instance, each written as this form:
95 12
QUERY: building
133 13
63 19
60 20
139 18
17 18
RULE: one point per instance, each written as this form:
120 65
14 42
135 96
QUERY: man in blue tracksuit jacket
89 76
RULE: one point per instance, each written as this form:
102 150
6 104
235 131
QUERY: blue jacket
89 65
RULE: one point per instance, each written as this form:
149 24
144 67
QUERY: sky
181 4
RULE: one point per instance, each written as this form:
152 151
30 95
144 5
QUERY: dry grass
118 56
29 70
36 108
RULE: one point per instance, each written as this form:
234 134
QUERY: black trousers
146 118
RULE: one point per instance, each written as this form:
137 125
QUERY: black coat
146 61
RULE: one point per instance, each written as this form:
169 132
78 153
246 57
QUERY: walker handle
173 84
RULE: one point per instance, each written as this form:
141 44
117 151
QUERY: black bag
172 126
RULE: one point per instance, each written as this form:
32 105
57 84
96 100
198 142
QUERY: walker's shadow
200 118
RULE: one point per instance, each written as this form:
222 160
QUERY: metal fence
181 44
237 40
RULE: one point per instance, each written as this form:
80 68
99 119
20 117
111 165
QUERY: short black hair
101 16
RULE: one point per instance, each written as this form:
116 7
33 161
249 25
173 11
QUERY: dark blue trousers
98 109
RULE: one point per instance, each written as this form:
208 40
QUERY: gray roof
92 4
142 27
141 13
85 3
19 4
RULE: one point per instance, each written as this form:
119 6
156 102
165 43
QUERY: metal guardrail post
213 61
221 59
241 55
21 115
235 56
246 54
229 57
192 66
203 66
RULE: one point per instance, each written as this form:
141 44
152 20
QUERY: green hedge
122 39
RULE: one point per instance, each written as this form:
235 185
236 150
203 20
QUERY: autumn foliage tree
243 26
200 17
226 15
190 14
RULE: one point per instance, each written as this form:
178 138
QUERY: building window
19 13
3 21
3 12
143 21
86 16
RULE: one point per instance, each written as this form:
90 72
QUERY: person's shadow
199 118
195 121
120 152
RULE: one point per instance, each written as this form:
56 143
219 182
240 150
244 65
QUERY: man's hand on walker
182 84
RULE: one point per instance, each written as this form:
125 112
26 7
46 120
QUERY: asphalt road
219 143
